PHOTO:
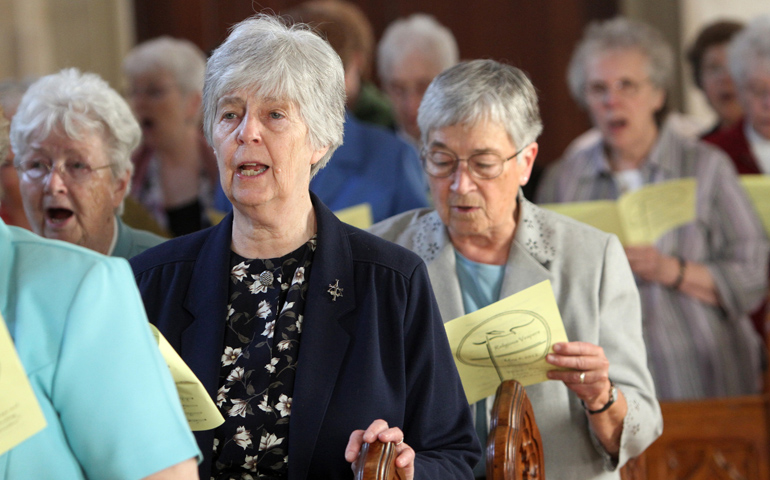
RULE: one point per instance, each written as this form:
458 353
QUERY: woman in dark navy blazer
312 336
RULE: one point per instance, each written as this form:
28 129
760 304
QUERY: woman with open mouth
312 336
698 282
73 136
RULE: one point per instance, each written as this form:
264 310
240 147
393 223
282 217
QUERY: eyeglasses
35 170
442 164
625 87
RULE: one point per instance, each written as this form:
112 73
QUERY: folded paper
640 217
200 410
20 414
506 340
358 215
758 188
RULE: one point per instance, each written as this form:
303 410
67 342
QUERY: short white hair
418 33
77 104
750 46
292 63
181 58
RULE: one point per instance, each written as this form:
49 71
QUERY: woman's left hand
589 374
379 430
649 264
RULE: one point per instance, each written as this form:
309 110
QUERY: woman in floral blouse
312 336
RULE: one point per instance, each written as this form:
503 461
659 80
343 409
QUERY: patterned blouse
694 350
259 361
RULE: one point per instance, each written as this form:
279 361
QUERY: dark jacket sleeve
438 422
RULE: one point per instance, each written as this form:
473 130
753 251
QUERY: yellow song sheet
20 414
200 410
506 340
640 217
758 188
358 215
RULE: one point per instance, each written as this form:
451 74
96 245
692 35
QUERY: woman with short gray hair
411 53
275 307
484 242
176 171
73 136
698 282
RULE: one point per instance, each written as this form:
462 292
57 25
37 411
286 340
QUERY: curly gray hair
78 104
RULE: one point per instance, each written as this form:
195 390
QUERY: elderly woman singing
312 336
73 136
485 241
699 282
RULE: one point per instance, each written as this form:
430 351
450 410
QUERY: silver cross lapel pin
335 290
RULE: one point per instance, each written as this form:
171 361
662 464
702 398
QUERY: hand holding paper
506 340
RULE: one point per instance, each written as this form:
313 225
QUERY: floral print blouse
259 361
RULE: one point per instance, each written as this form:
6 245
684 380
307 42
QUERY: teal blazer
77 322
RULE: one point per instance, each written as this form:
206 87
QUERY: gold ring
582 377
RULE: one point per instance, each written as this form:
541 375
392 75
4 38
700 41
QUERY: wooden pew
514 445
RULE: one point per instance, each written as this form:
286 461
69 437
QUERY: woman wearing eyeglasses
73 136
484 242
698 282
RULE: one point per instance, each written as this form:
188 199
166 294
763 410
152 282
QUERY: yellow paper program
758 188
640 217
20 414
358 215
506 340
200 410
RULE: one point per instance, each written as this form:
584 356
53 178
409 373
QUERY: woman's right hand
379 430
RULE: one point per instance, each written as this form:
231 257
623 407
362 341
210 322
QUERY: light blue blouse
79 327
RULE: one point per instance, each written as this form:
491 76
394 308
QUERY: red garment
734 142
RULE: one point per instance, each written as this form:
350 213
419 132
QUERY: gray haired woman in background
73 136
484 242
699 282
312 336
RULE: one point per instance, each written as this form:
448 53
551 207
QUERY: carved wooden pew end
514 446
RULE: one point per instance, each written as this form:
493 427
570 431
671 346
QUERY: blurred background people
80 331
73 136
175 170
372 166
699 282
353 39
283 312
708 60
484 242
11 205
411 52
747 142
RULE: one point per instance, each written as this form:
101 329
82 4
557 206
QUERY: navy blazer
378 351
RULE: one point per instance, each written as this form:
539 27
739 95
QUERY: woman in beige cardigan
484 242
